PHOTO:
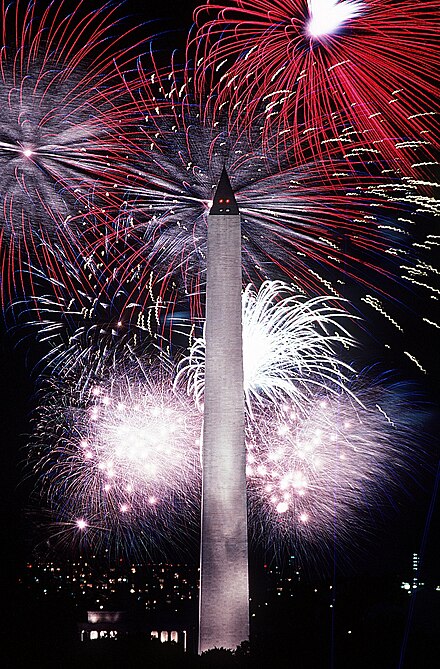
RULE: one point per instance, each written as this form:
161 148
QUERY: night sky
410 524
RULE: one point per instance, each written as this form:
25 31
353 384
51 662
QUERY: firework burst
61 142
118 452
289 348
118 455
314 66
326 472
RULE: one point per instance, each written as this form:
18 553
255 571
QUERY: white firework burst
325 472
122 456
290 347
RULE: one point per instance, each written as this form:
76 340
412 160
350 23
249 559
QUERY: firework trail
297 223
328 470
61 144
118 456
84 320
289 348
315 66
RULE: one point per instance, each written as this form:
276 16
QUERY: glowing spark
436 325
327 16
415 361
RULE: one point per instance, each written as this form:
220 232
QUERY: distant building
117 624
104 625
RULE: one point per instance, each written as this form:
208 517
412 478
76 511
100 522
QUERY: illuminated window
164 636
174 636
94 634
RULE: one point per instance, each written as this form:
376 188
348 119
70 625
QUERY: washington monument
224 588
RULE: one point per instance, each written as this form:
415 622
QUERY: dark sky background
404 529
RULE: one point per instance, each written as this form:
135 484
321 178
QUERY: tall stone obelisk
224 588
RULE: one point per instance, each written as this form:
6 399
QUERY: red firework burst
316 66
